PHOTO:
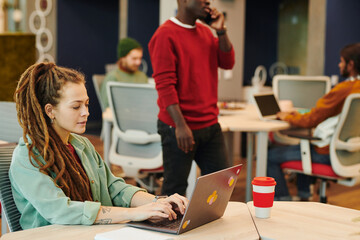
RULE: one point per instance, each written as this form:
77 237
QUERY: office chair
136 145
303 91
344 151
10 130
9 213
97 79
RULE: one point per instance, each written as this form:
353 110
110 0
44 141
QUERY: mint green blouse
41 203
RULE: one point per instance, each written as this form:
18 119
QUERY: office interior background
285 36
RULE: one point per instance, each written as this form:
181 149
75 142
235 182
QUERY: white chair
97 80
10 130
344 151
136 145
9 213
302 91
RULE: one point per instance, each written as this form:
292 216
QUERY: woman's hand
154 210
180 202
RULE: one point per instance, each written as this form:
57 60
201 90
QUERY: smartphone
208 19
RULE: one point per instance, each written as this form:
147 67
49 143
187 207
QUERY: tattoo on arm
103 221
105 210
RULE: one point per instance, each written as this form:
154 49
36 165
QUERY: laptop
210 197
267 106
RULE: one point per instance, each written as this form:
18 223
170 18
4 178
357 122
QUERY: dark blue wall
87 35
261 31
143 20
342 28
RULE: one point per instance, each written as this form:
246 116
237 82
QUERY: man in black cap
129 54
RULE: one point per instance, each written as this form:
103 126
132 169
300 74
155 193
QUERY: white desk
308 220
235 224
246 120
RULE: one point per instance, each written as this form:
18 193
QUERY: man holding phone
185 57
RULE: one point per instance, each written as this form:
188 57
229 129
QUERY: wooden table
308 220
235 224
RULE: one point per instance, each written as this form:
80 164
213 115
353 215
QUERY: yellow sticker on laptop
212 198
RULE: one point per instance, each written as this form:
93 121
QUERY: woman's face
71 113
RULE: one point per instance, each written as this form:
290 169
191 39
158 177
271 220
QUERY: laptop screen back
267 104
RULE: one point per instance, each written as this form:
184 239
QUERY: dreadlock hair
39 85
352 52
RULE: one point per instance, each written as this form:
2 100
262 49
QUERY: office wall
87 36
342 27
143 20
230 83
261 36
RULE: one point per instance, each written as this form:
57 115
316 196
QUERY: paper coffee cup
263 195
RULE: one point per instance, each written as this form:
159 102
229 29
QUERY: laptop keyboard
166 223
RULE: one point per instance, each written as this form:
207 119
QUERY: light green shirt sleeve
41 203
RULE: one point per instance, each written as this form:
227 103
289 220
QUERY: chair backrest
303 91
11 212
97 80
345 143
135 124
10 130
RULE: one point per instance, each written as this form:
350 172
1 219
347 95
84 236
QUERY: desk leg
261 153
107 141
229 144
249 158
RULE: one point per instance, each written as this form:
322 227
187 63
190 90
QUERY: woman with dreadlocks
57 177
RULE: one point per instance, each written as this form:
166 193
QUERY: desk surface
248 120
235 224
308 220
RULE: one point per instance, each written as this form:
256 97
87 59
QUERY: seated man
129 54
323 116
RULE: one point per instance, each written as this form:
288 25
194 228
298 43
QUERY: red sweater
185 63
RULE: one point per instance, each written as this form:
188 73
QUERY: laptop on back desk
267 106
210 197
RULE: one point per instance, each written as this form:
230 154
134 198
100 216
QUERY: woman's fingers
180 201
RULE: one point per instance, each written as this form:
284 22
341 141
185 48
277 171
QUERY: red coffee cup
263 195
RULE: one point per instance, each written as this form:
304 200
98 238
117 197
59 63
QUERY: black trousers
209 153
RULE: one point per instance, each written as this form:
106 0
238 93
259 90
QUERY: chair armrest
139 137
303 136
305 156
351 145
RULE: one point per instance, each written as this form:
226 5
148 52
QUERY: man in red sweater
324 116
185 57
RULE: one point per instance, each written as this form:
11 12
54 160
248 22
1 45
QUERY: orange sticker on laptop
186 223
231 181
212 198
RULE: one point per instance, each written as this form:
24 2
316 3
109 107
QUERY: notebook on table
267 106
210 197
